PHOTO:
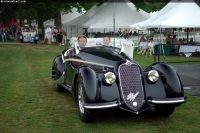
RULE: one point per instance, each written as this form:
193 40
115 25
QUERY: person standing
168 40
45 35
4 37
142 42
151 45
59 37
64 37
55 31
174 42
49 31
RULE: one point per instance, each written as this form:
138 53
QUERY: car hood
102 56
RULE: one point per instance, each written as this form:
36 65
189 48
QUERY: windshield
101 49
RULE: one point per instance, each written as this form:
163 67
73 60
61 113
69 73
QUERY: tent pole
66 32
114 25
71 32
161 44
187 35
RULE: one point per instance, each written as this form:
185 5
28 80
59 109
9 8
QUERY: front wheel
164 110
85 114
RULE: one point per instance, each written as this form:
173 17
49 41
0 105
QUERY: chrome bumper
167 100
118 103
102 105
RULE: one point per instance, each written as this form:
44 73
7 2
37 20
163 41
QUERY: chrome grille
131 85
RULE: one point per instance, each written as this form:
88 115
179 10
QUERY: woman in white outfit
142 42
151 45
143 45
49 31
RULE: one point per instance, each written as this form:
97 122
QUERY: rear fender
57 67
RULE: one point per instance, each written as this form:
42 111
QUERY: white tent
175 14
164 10
125 13
73 27
71 15
64 17
182 15
102 16
84 17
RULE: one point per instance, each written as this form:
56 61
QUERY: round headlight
153 75
110 77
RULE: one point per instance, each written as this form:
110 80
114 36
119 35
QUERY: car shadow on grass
116 114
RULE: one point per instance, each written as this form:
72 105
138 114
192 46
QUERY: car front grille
131 85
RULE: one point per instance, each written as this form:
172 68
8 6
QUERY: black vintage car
101 77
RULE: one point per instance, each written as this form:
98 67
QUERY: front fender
170 79
89 82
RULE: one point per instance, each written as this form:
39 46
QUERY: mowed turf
30 104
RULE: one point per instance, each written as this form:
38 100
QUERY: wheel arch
170 78
88 77
57 67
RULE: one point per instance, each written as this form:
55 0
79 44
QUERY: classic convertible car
101 77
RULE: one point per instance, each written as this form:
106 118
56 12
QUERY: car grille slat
131 85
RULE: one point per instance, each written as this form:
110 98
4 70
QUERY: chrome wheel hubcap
80 99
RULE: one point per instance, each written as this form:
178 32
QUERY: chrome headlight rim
109 77
153 76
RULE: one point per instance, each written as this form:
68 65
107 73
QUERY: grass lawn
30 104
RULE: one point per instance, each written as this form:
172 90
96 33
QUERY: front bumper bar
102 105
150 100
167 100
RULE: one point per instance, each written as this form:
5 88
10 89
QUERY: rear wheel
85 114
164 110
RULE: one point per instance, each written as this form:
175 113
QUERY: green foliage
150 5
198 2
48 9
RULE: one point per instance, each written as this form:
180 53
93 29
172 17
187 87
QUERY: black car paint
97 91
170 82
